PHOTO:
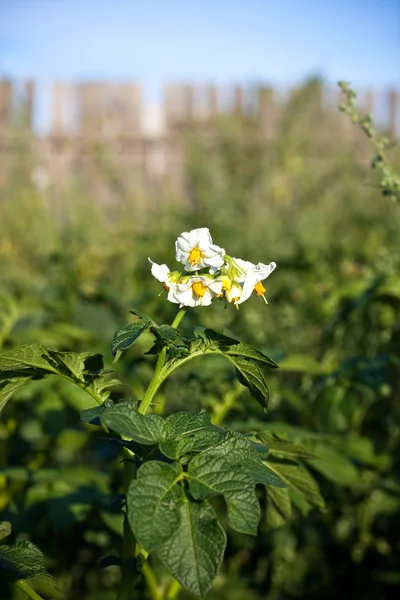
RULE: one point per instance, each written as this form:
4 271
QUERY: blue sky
245 41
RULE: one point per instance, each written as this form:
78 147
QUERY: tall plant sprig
172 466
389 180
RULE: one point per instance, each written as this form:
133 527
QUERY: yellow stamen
260 289
195 256
199 288
226 283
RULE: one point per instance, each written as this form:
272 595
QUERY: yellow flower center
260 289
226 283
195 256
199 288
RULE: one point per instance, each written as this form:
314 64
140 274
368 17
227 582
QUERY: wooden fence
88 120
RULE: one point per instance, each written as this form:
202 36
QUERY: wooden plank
394 97
238 101
5 103
28 103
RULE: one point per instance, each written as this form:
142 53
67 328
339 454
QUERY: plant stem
221 410
157 379
174 590
130 573
24 587
151 582
175 323
130 548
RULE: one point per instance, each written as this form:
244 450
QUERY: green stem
176 322
151 582
130 548
84 387
130 572
174 590
157 377
221 410
24 587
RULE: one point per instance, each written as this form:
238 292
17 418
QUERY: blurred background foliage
68 279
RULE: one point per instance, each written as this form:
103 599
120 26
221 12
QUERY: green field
332 323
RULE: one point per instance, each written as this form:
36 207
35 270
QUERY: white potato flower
254 275
168 279
197 290
241 277
195 249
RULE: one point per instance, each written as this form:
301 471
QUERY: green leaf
335 465
74 362
301 363
282 448
279 506
237 450
153 501
250 375
8 388
143 317
124 418
19 365
166 333
92 415
48 584
29 358
5 529
235 348
298 478
194 553
192 443
22 560
186 423
211 476
126 336
189 432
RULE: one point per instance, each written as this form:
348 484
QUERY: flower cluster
210 273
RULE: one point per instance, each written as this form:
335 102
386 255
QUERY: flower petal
160 272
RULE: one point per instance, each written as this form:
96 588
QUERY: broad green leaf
279 506
185 423
189 432
250 375
126 336
92 415
210 476
298 478
153 501
335 465
5 529
166 333
8 388
124 418
232 347
74 362
194 553
303 364
237 450
48 584
19 365
22 560
143 317
32 358
280 447
192 443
